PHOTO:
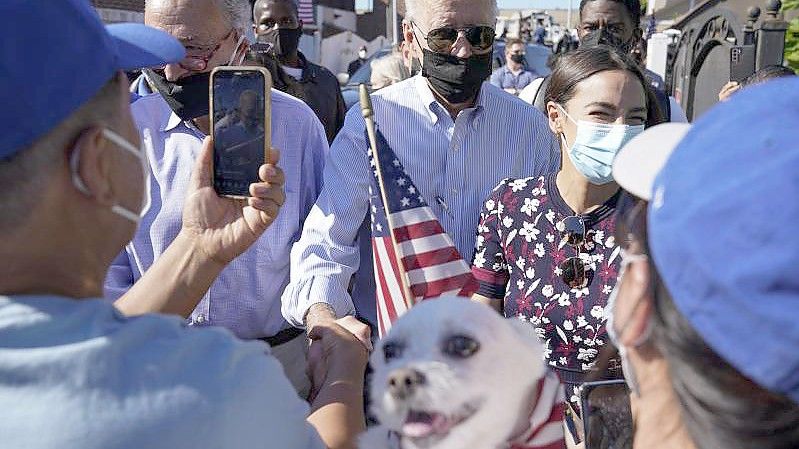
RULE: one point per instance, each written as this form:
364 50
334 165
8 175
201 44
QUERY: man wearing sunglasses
456 136
172 117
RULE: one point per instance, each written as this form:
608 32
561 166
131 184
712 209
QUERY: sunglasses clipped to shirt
441 40
573 272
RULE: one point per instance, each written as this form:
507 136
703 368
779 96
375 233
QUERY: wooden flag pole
368 117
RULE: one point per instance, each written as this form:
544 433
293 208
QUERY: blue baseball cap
723 232
56 55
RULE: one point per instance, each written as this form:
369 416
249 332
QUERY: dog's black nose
403 382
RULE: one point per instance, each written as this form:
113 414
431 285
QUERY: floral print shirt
517 254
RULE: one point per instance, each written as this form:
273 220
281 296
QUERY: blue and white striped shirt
455 164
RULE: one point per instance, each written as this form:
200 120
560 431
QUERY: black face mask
187 97
455 79
602 36
518 59
285 40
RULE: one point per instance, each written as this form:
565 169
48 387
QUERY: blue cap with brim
723 232
56 55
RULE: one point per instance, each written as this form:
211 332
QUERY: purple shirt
245 298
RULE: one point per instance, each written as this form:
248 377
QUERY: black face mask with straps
457 80
187 97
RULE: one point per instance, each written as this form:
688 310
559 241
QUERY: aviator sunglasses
441 40
573 272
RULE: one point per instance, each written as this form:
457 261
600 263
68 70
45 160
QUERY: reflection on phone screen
607 415
239 130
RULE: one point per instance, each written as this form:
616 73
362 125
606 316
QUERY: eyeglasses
573 272
441 40
197 58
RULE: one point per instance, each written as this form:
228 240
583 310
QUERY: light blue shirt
245 298
454 164
77 374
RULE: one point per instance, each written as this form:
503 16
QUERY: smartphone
742 62
607 418
241 122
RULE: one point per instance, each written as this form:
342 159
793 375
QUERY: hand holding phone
240 127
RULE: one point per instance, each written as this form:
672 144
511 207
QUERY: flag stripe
438 272
416 261
418 231
388 278
382 293
436 288
401 303
412 216
424 245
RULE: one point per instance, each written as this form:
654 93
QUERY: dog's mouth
422 425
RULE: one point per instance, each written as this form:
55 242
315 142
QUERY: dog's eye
461 346
392 350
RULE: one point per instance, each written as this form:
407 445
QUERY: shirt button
454 191
200 319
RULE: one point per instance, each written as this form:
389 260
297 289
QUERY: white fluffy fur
500 379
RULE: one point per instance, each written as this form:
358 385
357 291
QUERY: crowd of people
138 308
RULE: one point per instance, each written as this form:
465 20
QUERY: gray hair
237 12
415 9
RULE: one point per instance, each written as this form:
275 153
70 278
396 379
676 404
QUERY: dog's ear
530 343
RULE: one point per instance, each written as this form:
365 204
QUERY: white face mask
595 146
120 142
615 337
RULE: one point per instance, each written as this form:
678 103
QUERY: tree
792 36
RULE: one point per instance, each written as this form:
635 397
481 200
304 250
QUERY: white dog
454 374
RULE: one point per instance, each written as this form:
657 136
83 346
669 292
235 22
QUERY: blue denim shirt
505 79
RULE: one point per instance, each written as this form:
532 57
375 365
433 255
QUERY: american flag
305 10
546 421
429 260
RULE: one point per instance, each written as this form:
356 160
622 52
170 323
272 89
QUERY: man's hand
223 228
336 355
321 313
728 89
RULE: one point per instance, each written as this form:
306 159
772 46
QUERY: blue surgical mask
595 146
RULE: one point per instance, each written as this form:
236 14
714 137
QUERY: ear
93 165
634 308
554 116
530 342
407 32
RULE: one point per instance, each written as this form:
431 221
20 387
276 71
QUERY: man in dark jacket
277 24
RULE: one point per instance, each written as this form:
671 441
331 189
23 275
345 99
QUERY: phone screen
239 129
607 416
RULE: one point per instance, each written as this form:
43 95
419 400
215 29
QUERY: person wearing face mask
608 22
358 63
513 76
545 249
75 371
709 350
277 24
456 135
172 116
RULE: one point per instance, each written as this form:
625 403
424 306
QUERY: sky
524 4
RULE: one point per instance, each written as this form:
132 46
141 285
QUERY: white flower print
507 222
518 185
607 289
480 241
550 216
550 237
540 333
520 284
581 321
530 273
598 257
564 300
610 242
568 325
562 360
586 354
580 292
548 291
530 205
545 320
577 338
539 250
557 272
490 205
481 228
520 262
480 259
500 208
598 236
597 312
529 232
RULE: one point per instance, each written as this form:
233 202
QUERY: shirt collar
432 105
